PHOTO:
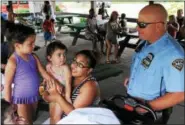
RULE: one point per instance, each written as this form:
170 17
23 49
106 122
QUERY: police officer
157 70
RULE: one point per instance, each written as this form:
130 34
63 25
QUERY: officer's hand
141 110
126 82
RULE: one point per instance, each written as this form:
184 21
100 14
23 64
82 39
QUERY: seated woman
85 89
92 31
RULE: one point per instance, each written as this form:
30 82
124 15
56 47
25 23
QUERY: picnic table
79 27
60 20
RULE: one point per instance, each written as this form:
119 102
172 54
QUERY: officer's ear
159 27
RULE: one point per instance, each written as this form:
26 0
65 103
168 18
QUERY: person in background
91 31
6 48
8 114
103 12
57 67
112 30
46 9
85 89
180 19
53 28
173 26
123 43
48 29
11 15
182 31
157 69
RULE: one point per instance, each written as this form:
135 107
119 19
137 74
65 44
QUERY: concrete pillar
52 3
10 3
93 5
151 2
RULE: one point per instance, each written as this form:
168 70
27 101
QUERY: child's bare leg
115 51
108 50
55 113
34 109
25 110
45 42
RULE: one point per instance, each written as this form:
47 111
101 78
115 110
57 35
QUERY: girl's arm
46 75
42 71
68 78
9 75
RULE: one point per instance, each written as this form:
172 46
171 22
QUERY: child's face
28 46
58 58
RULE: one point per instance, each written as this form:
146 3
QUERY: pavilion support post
10 3
151 2
93 5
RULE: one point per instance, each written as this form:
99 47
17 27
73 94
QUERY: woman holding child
85 89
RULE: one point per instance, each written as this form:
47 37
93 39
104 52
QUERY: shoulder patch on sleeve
178 64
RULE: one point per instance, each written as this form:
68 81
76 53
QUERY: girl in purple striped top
22 70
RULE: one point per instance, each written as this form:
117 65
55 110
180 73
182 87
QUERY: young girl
57 67
8 114
53 28
113 29
48 29
22 70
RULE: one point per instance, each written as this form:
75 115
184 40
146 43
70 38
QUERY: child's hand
52 94
68 98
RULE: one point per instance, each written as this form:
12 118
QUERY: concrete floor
108 87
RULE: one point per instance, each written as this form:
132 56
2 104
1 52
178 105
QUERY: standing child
22 70
57 67
47 27
53 28
113 29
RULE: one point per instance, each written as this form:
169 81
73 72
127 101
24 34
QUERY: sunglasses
80 65
144 24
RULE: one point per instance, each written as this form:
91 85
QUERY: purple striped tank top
26 81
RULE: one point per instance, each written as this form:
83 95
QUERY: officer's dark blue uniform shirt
157 68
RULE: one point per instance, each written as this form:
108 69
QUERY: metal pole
151 2
93 5
10 4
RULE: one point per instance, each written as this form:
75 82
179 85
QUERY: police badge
147 61
178 64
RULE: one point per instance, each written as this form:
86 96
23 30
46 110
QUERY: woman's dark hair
4 108
112 14
56 44
18 33
90 12
46 8
90 55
